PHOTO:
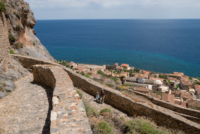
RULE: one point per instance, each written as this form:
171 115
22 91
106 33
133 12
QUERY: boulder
10 86
2 95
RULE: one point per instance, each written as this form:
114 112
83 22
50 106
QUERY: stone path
25 110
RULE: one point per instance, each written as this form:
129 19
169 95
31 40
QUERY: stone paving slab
25 110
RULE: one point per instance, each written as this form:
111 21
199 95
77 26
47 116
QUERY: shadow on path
49 93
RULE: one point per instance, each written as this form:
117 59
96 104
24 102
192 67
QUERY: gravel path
25 110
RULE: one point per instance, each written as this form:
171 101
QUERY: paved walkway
25 110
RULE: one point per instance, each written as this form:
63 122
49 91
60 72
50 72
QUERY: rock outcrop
17 34
22 36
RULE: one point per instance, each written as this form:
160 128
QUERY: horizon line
127 19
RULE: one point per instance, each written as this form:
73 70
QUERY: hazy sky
115 9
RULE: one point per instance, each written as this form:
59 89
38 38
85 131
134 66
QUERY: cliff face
22 36
17 33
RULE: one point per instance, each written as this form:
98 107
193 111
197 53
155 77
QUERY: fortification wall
68 113
162 116
4 43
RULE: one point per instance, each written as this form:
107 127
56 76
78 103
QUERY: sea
164 46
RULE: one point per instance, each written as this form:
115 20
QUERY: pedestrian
97 97
102 96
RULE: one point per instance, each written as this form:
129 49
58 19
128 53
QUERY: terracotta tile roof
174 79
197 88
125 65
116 64
179 73
126 74
132 68
186 82
107 72
153 78
115 75
146 72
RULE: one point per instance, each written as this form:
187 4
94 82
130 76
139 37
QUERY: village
175 88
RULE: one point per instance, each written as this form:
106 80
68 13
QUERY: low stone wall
162 117
68 114
171 106
30 61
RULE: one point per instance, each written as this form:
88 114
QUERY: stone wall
162 116
4 43
171 106
68 113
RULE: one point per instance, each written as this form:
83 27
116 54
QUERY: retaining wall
68 113
162 116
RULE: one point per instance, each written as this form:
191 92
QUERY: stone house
74 65
135 75
110 67
125 66
194 103
197 88
141 79
185 84
132 68
125 74
175 75
146 72
180 102
183 94
115 75
168 97
107 73
173 82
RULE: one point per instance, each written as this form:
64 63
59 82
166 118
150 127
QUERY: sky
115 9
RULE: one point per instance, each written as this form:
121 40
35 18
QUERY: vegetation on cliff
2 7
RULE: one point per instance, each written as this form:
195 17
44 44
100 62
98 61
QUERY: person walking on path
102 96
97 97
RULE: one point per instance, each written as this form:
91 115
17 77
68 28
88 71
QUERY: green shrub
198 78
18 27
89 110
17 14
190 78
159 94
101 73
168 81
2 7
12 51
104 128
12 38
162 76
19 45
114 78
136 70
87 75
127 85
143 126
80 94
117 83
177 87
110 85
122 77
105 110
197 83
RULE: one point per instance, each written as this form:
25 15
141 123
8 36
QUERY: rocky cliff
17 36
22 36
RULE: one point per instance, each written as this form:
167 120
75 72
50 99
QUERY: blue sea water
156 45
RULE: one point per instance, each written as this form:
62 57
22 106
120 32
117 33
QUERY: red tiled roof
146 72
186 82
125 65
